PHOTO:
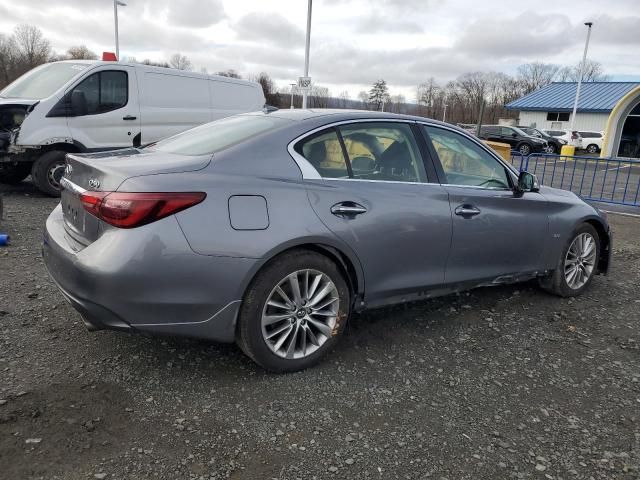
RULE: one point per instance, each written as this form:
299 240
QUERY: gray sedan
271 229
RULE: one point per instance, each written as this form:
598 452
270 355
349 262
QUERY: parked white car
591 141
571 138
77 106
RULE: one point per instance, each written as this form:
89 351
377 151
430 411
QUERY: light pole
444 113
292 87
582 65
117 3
306 54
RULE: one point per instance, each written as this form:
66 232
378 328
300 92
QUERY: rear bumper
146 280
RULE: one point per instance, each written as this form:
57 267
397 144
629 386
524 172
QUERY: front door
375 196
106 110
495 232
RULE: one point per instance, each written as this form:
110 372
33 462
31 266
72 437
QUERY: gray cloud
376 23
269 28
502 36
196 13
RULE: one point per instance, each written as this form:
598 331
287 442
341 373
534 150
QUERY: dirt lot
499 383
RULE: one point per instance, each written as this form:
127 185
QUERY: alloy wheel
300 314
525 149
580 261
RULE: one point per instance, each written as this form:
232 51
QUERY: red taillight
129 210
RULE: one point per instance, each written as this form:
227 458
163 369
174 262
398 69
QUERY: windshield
215 136
520 132
532 131
43 81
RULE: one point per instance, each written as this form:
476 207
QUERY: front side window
466 163
100 93
507 132
374 151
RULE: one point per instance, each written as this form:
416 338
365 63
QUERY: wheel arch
605 243
347 263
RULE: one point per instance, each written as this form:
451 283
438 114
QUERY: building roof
595 97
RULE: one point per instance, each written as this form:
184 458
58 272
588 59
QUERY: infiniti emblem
94 183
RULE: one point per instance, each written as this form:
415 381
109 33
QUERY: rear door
373 192
495 232
110 117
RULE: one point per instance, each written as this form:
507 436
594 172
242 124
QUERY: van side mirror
527 182
78 103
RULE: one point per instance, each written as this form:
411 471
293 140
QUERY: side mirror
514 135
78 103
527 182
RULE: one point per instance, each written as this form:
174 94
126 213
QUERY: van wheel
293 312
47 172
14 174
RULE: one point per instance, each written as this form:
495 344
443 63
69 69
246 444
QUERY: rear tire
592 148
47 172
296 341
14 173
524 149
577 265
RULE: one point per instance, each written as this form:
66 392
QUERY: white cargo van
84 106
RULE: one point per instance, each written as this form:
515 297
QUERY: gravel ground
498 383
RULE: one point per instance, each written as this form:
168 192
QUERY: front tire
577 265
47 172
293 312
14 173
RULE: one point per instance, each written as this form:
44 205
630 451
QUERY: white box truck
77 106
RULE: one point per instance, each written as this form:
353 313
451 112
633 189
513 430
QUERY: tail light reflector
130 209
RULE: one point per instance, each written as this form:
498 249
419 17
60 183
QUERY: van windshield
215 136
43 81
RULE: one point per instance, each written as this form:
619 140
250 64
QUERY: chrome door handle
466 210
348 209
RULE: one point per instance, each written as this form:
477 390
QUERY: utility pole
292 87
582 65
117 3
306 54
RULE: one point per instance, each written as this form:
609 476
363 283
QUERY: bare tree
379 94
81 52
180 62
231 73
319 97
32 48
269 88
7 60
593 72
536 75
427 93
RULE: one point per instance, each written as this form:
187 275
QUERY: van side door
104 111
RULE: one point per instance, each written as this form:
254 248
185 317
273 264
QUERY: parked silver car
270 229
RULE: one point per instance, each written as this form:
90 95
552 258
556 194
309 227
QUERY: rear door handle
466 210
129 117
348 209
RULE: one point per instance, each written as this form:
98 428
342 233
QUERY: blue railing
608 180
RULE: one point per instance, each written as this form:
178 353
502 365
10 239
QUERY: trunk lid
105 172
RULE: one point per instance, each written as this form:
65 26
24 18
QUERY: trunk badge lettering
94 183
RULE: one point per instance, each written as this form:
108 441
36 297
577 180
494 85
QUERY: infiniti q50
270 229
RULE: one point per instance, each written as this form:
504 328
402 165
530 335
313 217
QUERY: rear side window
216 136
324 152
590 134
102 92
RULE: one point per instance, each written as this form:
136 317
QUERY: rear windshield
44 81
215 136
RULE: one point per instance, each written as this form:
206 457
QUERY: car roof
337 115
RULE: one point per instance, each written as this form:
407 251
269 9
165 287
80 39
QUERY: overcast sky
353 42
